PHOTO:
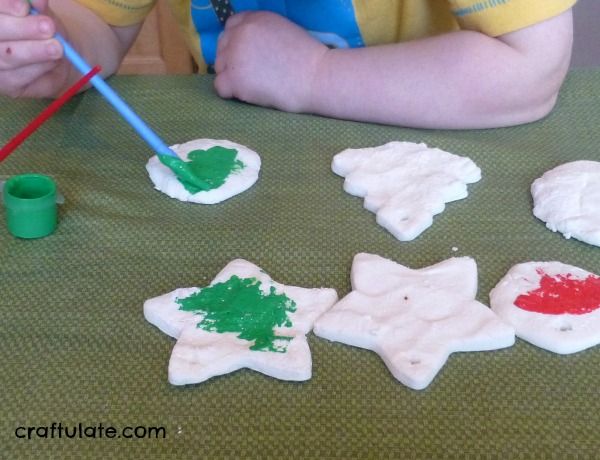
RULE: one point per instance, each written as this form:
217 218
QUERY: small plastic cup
30 202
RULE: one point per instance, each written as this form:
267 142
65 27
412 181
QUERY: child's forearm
98 42
459 80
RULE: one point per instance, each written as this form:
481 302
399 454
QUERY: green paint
183 172
238 305
205 169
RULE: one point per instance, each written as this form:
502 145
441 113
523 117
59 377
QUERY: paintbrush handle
46 113
113 99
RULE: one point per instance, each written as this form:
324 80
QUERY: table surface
75 348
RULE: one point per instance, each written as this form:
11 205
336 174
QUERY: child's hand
264 59
29 57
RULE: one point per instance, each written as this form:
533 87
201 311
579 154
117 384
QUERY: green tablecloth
75 348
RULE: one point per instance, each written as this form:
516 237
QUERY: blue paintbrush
178 166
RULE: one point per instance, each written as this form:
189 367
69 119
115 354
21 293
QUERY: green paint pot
30 202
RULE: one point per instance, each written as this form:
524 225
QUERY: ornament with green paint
207 171
240 306
243 319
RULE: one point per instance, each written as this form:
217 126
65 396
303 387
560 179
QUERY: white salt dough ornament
405 184
567 198
414 319
551 305
242 176
244 319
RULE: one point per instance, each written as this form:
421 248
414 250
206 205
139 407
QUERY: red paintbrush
46 113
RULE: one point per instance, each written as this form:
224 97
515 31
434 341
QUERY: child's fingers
29 56
27 28
14 7
40 5
223 41
235 19
223 86
221 53
21 7
220 64
18 54
15 82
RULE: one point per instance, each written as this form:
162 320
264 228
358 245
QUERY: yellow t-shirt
341 23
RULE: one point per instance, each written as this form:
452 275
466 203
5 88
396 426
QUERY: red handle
46 113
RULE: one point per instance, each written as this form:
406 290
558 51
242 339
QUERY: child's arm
457 80
32 63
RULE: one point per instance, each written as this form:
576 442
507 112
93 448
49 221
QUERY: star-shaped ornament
414 319
243 319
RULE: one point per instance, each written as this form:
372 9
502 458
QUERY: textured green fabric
75 348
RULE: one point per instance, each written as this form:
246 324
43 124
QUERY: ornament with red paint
551 305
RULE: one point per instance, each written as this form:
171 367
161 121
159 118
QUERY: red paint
562 294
